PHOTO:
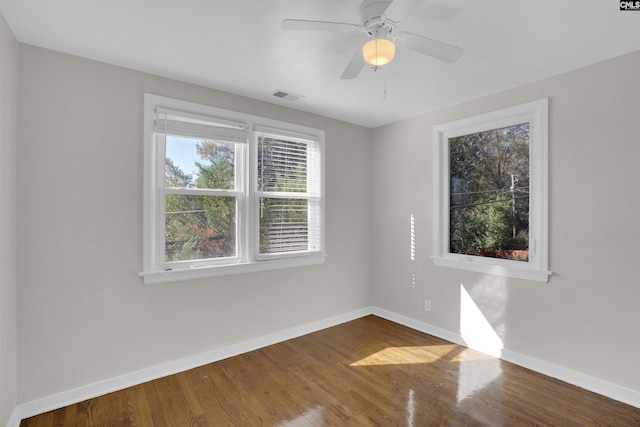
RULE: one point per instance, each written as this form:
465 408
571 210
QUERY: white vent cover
283 94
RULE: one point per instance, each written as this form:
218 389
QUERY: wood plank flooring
368 372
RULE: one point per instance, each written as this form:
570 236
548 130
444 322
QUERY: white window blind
180 123
289 191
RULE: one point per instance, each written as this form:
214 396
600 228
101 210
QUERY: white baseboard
100 388
604 388
89 391
14 419
616 392
419 326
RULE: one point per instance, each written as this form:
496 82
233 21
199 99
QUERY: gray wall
586 318
84 315
8 307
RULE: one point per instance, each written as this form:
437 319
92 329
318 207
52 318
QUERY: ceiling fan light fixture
378 52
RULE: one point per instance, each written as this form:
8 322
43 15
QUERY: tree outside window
489 194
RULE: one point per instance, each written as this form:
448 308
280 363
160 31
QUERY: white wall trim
100 388
604 388
69 397
14 418
419 326
536 114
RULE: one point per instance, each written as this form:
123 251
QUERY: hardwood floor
368 372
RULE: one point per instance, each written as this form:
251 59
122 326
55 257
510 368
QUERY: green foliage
217 170
201 227
282 167
204 226
220 212
489 204
283 225
174 177
499 225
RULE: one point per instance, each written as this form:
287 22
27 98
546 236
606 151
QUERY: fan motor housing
372 11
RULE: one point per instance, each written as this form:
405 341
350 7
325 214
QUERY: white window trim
247 261
536 114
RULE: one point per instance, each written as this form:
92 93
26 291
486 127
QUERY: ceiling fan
379 21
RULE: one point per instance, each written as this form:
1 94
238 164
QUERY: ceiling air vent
289 96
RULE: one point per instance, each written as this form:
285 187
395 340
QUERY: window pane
199 227
489 193
282 165
198 163
284 225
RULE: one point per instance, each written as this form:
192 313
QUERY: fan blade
354 66
434 48
304 25
398 9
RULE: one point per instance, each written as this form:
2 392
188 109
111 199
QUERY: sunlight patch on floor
421 354
406 355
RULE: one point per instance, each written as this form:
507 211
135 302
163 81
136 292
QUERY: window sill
495 267
156 277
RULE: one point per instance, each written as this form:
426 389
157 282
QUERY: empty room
319 213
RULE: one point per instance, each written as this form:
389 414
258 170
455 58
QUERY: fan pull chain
384 84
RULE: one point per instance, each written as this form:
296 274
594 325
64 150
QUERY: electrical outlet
427 305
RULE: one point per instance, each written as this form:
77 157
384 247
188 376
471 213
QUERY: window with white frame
228 193
490 192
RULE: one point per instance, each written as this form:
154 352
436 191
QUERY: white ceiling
239 46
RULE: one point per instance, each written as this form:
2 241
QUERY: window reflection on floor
312 418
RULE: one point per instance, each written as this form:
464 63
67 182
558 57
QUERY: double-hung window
227 193
289 194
